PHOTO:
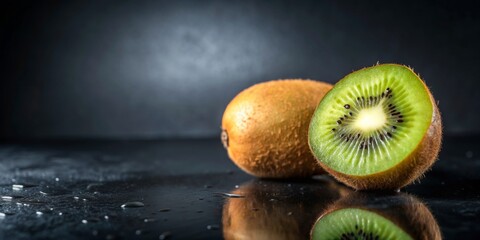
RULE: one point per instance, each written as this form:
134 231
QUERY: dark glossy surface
181 184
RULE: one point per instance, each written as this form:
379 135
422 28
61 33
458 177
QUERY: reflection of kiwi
362 216
289 215
378 128
265 128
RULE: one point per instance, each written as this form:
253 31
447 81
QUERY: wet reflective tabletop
188 189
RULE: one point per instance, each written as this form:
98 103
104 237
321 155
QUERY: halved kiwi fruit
373 216
274 210
378 128
265 128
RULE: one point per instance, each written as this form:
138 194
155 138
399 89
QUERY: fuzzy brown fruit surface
265 128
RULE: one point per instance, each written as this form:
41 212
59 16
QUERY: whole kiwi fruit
265 128
377 216
378 128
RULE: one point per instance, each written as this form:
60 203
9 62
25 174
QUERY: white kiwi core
370 119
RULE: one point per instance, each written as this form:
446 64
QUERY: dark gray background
154 69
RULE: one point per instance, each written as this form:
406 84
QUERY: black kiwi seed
333 129
399 120
389 134
351 114
339 122
347 106
394 127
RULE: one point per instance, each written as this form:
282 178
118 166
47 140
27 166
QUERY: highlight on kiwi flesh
287 216
265 128
378 128
362 216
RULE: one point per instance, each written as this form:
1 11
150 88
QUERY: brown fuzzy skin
265 128
256 217
409 169
404 210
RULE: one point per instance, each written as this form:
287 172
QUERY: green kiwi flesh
371 120
355 223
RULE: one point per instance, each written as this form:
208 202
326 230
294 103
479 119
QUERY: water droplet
232 195
93 220
76 198
138 232
29 201
149 220
2 215
213 227
289 213
39 213
236 186
54 192
164 210
165 235
57 179
84 221
133 205
7 198
60 214
106 217
93 186
20 186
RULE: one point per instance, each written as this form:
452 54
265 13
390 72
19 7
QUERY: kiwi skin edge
265 128
406 211
407 170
